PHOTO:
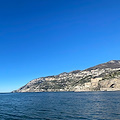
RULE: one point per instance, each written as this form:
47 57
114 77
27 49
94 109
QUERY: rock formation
103 77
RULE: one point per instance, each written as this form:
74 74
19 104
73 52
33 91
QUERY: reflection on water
60 105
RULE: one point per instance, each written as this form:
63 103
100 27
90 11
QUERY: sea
60 106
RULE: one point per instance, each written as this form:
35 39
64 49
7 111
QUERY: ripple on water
60 106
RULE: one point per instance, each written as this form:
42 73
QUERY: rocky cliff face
103 77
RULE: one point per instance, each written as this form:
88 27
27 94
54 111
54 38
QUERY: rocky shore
103 77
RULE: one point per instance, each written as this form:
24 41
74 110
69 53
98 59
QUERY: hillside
103 77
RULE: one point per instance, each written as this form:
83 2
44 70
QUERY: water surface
60 106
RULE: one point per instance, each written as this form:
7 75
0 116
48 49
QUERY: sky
47 37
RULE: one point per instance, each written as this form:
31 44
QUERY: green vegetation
111 75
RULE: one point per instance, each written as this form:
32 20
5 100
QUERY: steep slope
111 64
102 77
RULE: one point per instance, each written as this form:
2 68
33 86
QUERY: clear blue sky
46 37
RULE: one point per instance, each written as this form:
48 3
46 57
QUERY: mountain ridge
102 77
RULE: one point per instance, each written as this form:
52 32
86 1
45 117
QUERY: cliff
103 77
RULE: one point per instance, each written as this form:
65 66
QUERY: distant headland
102 77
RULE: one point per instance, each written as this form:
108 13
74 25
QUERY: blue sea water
60 106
